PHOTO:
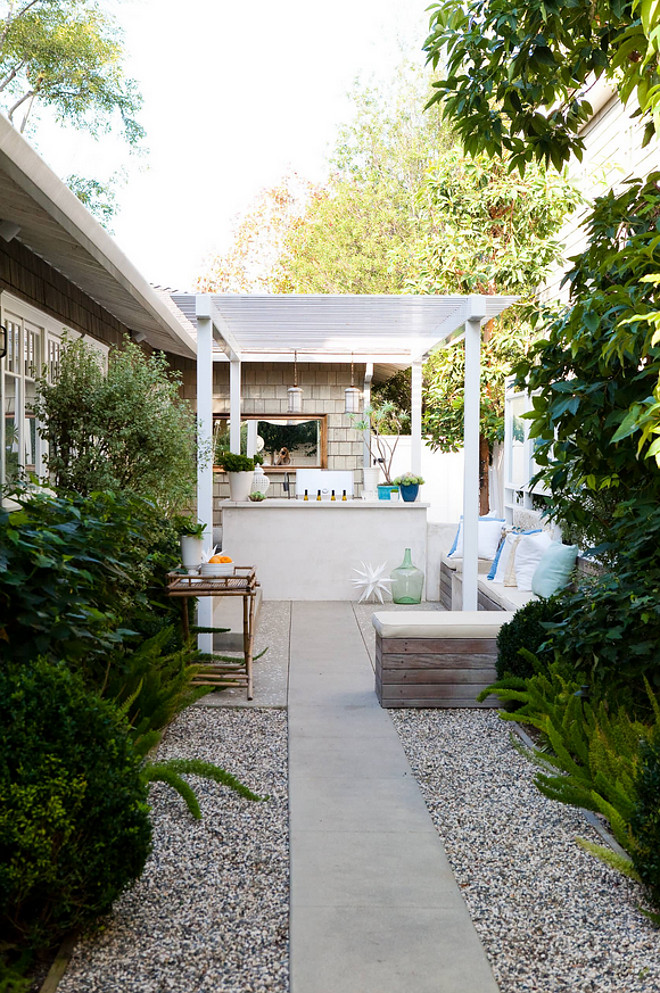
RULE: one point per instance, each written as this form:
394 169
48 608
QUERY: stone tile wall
264 391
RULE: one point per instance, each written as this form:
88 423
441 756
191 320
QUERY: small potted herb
191 536
240 470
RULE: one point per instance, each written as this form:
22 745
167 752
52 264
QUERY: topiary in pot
528 629
74 819
231 462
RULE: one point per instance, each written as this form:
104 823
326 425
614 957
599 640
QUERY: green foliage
363 231
597 757
645 823
609 629
99 198
67 56
529 629
74 825
124 431
232 462
408 479
76 573
586 374
382 421
515 74
172 771
189 527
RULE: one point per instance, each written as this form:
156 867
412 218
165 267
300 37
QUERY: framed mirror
286 441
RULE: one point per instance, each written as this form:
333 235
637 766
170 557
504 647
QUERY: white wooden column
416 418
235 406
476 313
204 448
366 395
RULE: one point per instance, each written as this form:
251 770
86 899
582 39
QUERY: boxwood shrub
528 629
74 819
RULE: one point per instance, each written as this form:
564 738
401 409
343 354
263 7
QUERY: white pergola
395 330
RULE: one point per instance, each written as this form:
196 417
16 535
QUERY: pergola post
235 406
204 448
366 394
416 418
476 313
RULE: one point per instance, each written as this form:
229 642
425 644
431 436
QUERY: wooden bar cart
243 583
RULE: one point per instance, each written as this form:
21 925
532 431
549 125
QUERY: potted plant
385 423
191 536
240 471
409 485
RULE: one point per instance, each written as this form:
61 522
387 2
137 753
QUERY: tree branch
12 110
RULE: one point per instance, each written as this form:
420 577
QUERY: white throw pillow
489 532
505 572
529 552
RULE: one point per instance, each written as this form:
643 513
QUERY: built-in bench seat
436 658
490 595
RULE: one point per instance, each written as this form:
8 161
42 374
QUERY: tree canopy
516 79
516 72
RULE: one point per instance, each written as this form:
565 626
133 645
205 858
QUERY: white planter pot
240 485
192 551
371 478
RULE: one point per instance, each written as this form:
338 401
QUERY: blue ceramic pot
409 493
384 490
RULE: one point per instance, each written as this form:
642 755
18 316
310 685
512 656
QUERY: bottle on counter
318 494
333 497
343 496
306 496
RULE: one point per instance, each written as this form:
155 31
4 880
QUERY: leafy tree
258 240
128 430
516 72
516 80
363 231
67 56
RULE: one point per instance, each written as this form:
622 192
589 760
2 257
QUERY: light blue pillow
456 537
554 570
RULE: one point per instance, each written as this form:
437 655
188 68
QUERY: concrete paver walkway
374 905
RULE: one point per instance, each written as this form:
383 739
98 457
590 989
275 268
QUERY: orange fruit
220 558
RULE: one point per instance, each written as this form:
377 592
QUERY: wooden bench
436 658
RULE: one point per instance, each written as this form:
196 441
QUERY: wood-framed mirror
286 441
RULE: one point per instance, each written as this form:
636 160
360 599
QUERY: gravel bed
551 917
210 913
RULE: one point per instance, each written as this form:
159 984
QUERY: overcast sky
235 94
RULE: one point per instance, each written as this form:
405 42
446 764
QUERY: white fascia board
29 171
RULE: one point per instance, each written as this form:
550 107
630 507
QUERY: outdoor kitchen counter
307 550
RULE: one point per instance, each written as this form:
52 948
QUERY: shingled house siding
27 276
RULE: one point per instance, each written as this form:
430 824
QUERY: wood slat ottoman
436 658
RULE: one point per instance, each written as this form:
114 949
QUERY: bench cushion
439 623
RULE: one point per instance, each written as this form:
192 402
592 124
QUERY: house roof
329 328
56 226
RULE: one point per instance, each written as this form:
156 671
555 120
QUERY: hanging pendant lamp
294 393
352 396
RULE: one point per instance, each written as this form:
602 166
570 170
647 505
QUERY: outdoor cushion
502 572
489 532
554 570
528 553
439 623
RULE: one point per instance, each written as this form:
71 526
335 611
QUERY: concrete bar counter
307 550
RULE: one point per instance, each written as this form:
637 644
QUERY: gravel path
551 917
210 913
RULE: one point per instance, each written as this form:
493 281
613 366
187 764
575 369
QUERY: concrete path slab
374 904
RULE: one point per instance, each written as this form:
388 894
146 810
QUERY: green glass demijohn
407 581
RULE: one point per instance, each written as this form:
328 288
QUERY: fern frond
613 859
207 770
163 773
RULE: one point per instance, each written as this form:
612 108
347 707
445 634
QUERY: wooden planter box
436 659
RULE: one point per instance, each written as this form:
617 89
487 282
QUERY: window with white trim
34 344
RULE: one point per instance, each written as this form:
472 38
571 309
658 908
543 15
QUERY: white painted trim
235 406
471 463
204 463
416 417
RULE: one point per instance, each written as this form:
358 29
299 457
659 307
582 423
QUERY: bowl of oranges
217 565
